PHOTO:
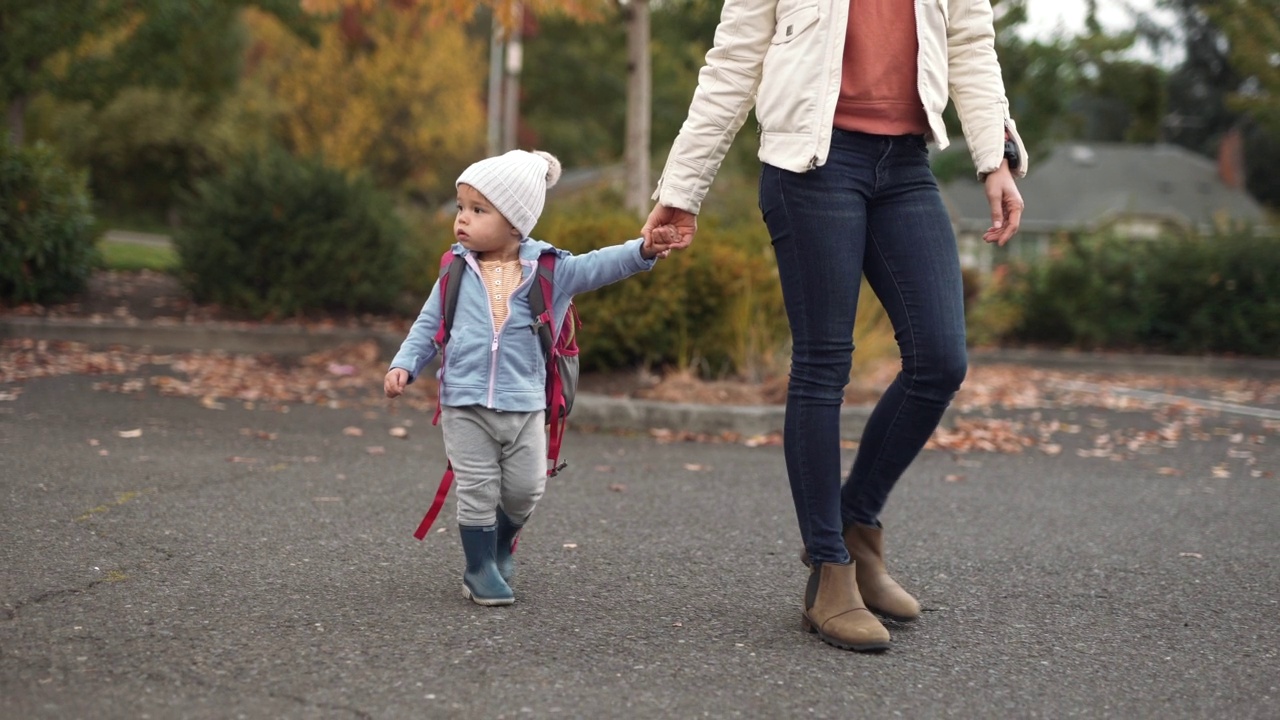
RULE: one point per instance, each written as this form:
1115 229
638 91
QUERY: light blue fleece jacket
505 370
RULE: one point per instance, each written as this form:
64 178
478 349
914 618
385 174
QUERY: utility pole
639 102
494 138
515 61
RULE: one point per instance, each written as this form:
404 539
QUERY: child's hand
660 241
395 381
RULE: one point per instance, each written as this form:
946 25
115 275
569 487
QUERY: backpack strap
451 269
541 299
442 492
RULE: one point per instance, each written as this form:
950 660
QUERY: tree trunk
17 120
639 102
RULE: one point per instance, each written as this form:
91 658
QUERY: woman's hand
684 222
1006 206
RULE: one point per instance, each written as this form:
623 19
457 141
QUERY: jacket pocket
793 79
794 23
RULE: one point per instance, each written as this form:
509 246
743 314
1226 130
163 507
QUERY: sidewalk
593 410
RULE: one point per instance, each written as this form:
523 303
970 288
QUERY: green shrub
46 227
1215 294
276 235
716 307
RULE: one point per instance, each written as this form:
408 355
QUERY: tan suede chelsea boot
882 593
834 610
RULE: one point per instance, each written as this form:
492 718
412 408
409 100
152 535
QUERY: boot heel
806 624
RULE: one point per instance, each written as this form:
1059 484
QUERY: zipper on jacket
493 363
497 332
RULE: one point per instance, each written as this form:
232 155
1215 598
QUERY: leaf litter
352 375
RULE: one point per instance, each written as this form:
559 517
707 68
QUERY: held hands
1006 206
395 381
659 242
684 222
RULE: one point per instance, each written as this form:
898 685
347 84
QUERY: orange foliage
401 99
460 11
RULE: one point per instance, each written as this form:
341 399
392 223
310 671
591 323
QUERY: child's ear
515 232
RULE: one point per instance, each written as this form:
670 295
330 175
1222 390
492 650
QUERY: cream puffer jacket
784 57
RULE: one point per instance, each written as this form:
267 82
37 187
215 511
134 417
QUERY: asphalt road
202 570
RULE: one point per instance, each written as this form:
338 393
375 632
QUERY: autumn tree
389 95
92 49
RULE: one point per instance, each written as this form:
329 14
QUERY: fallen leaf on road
259 434
399 432
336 369
212 403
603 468
1051 449
93 442
694 467
953 478
570 546
247 460
352 431
376 450
1190 555
618 487
1169 471
104 452
135 433
10 396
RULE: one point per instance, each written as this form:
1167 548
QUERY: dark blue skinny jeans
872 210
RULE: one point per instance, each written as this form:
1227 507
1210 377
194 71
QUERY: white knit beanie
516 183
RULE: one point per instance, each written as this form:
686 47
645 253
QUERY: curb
1110 362
609 413
594 410
178 337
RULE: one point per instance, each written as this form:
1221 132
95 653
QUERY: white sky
1046 18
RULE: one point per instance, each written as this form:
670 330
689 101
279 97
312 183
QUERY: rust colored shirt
878 86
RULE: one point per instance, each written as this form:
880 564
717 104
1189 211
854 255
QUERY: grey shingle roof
1083 186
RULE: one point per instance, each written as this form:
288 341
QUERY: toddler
493 370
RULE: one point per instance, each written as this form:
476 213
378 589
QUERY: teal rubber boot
508 533
481 583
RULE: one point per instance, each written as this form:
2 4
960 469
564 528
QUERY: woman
847 92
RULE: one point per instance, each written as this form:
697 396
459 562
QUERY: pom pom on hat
553 167
516 183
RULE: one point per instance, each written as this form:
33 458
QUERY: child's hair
516 183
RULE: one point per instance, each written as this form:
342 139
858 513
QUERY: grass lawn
130 256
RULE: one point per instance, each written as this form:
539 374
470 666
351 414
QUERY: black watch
1011 154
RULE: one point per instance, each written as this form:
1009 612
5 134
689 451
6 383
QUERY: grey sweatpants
499 458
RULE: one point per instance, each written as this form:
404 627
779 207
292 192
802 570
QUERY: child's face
479 226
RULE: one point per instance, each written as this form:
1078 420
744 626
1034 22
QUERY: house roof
1084 186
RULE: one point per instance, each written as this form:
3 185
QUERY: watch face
1011 154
